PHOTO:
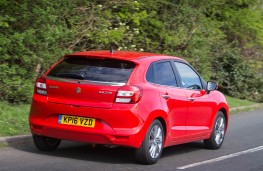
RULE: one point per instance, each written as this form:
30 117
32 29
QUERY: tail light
128 94
40 86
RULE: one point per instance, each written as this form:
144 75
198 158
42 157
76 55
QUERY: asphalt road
242 150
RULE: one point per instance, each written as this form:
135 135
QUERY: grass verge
238 105
14 119
234 102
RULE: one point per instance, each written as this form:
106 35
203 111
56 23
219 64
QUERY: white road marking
222 158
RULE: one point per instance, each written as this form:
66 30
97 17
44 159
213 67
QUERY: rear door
173 100
87 81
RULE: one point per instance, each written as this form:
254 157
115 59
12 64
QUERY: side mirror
211 86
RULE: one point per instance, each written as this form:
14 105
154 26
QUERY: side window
188 76
164 74
149 74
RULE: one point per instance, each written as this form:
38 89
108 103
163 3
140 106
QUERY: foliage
235 76
32 32
218 37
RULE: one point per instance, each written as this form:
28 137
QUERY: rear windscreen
104 70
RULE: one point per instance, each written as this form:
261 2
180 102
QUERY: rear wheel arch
163 124
151 148
159 115
162 117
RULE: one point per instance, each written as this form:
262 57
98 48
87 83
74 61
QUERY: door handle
191 98
166 96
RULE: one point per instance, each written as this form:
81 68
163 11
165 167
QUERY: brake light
128 94
40 86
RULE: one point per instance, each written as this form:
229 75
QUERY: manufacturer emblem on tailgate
78 90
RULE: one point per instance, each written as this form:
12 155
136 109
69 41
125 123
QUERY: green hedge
222 39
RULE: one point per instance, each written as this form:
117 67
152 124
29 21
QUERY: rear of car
88 99
140 100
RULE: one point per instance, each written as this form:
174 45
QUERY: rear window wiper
71 75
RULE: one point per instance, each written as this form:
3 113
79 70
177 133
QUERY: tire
218 134
151 148
46 143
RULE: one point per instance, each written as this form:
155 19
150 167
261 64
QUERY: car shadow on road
100 153
182 149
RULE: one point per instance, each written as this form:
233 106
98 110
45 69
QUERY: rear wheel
46 143
218 134
152 145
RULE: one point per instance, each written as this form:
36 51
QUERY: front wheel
218 134
152 145
46 143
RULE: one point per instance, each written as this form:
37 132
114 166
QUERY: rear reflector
123 100
42 92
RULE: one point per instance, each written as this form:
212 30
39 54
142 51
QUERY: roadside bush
235 76
32 33
219 38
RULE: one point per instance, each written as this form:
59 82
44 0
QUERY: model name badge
55 87
105 92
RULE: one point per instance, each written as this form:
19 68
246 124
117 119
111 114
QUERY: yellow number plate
75 120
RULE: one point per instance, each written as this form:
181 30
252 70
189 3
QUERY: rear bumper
119 125
86 136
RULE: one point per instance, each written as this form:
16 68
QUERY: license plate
76 120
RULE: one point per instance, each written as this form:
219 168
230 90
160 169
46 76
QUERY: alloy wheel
155 141
219 130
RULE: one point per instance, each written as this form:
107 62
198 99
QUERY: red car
141 100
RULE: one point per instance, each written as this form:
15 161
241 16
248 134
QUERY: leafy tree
33 33
223 39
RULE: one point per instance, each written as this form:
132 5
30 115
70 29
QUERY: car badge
54 87
78 90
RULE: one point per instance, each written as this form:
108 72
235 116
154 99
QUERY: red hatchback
141 100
